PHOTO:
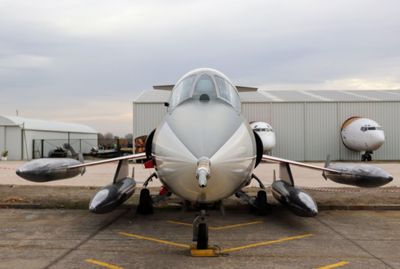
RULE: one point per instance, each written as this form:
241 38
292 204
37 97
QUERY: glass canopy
204 87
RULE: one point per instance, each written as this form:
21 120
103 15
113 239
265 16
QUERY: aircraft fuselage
208 129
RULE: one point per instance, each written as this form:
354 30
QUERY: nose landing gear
366 157
200 236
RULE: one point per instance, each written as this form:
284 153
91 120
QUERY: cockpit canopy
370 128
204 85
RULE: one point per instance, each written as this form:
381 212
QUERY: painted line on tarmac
156 240
265 243
216 228
103 264
223 251
335 265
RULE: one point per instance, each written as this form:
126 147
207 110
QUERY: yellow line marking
265 243
235 225
330 266
216 228
103 264
156 240
180 223
179 245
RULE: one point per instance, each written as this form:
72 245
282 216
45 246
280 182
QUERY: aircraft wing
355 174
48 169
310 166
127 157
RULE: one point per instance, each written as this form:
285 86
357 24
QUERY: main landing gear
366 157
145 206
259 203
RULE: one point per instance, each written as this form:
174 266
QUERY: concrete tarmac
31 239
65 238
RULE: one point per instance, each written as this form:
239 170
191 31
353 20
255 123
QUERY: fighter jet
204 151
362 134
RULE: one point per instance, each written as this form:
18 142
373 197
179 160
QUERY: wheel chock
209 252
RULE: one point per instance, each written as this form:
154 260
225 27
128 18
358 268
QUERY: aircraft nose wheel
145 206
200 231
366 157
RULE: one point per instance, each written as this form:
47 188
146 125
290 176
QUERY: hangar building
307 123
31 138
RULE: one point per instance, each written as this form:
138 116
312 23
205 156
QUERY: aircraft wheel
369 158
363 158
261 202
202 236
145 206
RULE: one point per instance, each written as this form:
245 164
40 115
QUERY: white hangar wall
306 130
18 135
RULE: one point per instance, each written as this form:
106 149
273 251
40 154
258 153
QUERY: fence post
33 149
42 147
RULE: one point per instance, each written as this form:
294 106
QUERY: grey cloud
78 51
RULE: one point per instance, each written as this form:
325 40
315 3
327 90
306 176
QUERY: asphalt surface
43 226
78 239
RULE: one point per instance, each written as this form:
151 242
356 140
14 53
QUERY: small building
27 139
307 123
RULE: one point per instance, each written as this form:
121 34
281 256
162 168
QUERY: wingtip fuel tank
47 169
360 175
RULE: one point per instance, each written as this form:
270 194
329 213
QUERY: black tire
202 236
261 197
363 158
145 206
369 158
261 202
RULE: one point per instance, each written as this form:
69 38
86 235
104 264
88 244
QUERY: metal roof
44 125
260 96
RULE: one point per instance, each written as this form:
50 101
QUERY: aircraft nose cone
378 139
389 179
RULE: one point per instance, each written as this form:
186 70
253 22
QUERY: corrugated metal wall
289 130
321 131
146 117
306 131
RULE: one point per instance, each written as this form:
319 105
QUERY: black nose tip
18 172
390 179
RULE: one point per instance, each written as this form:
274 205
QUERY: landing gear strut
200 231
200 236
259 203
366 157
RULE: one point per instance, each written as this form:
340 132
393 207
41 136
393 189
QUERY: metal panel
147 117
293 96
2 138
387 115
337 95
253 97
321 131
380 95
257 111
288 121
13 142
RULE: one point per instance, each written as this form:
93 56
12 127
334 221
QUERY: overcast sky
85 61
